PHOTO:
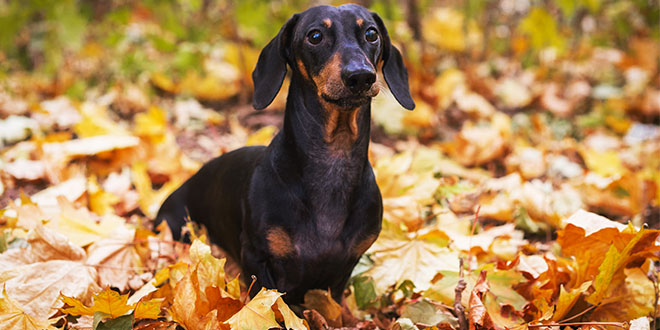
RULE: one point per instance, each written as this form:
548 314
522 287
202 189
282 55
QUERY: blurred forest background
98 44
529 112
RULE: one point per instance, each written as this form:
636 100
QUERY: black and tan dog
300 212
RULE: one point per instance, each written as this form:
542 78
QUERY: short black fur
299 213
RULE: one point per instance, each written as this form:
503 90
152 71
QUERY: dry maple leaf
115 258
113 305
13 317
35 276
396 260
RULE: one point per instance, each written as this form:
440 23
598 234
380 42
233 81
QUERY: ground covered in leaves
528 176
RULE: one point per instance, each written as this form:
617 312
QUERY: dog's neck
327 146
322 130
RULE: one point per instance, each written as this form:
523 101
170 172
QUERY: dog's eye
315 37
371 35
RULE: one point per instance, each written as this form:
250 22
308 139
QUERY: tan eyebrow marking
327 22
359 22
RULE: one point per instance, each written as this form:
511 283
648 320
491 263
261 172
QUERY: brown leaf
322 302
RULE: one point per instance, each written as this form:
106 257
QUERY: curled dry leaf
478 316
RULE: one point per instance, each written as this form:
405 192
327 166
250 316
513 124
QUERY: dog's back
220 206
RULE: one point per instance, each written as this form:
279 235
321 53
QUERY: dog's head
336 49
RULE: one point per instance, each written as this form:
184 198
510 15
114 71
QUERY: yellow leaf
152 124
183 303
111 303
422 117
614 262
164 82
149 309
618 124
77 307
12 317
96 121
150 199
291 320
162 276
79 225
567 299
100 201
604 163
211 88
449 81
446 27
210 270
262 136
258 313
632 297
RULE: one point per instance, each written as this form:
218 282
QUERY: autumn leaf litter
553 209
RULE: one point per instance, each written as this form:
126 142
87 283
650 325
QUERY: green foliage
42 27
365 292
121 323
570 7
39 34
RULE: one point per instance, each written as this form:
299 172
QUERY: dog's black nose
358 81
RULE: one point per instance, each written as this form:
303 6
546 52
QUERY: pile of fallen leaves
514 196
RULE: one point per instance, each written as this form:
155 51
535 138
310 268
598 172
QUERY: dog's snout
358 81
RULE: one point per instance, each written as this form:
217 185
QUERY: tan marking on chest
363 245
279 242
341 128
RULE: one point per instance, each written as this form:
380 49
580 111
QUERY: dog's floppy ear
269 73
394 71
